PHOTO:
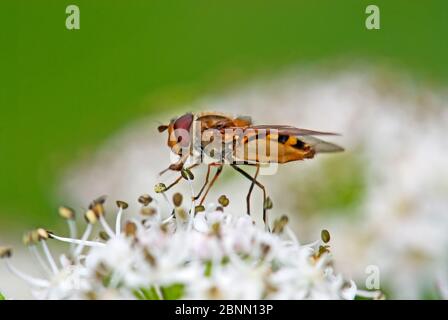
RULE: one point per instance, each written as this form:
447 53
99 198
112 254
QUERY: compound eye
184 122
183 125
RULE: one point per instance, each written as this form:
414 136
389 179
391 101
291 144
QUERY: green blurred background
64 92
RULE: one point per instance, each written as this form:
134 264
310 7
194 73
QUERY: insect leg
215 177
251 188
254 181
173 184
209 167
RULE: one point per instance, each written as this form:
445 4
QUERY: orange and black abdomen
292 148
272 148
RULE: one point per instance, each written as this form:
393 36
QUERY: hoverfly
236 141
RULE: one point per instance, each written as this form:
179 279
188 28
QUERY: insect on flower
218 139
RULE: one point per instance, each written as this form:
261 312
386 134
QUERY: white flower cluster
207 255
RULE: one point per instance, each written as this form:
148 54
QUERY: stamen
166 199
181 216
100 200
177 199
192 207
292 235
199 209
84 238
322 256
280 224
42 235
103 235
160 188
97 207
77 241
39 258
50 259
168 219
187 174
311 244
122 206
118 221
268 204
130 229
148 211
325 236
36 282
145 199
90 217
67 213
223 201
106 227
73 231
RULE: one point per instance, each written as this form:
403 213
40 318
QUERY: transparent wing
321 146
289 130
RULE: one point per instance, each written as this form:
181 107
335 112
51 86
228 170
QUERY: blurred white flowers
209 255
